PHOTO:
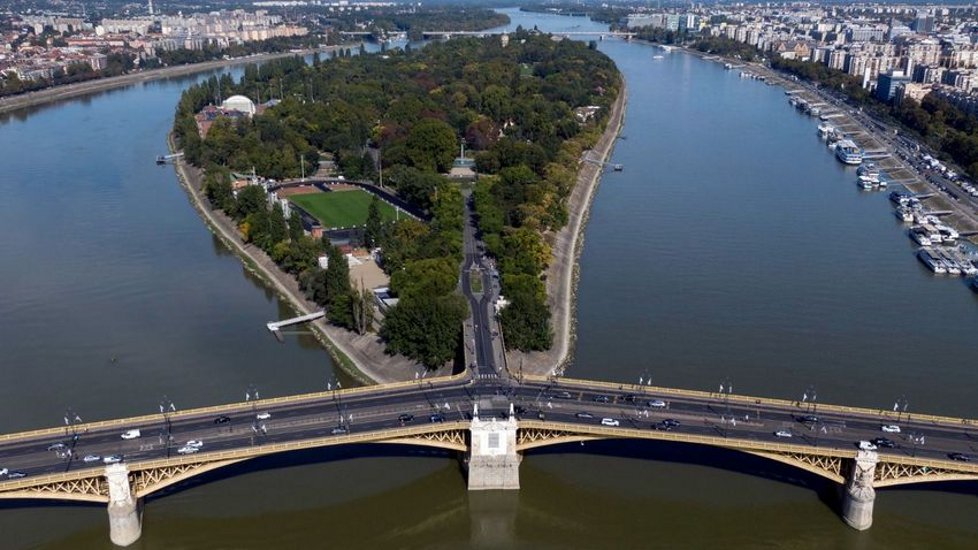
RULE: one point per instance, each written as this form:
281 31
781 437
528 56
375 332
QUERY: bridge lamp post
71 420
900 407
167 407
811 398
916 439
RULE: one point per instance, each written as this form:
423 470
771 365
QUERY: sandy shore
59 93
362 357
564 270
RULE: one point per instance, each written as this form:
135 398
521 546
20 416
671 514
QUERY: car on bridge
131 434
564 395
56 447
196 443
339 430
891 429
188 450
866 445
657 404
263 415
960 457
584 415
884 442
91 458
783 433
16 475
112 459
602 399
223 419
437 417
610 422
404 418
4 471
808 419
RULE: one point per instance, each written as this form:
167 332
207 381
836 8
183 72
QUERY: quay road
486 344
562 403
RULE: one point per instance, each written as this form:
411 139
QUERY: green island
526 105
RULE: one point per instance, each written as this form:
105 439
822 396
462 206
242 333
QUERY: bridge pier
859 495
493 462
125 521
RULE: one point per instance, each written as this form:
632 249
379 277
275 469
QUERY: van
131 434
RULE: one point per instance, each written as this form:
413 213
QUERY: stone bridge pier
125 519
859 495
493 462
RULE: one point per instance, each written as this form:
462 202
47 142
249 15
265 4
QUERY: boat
848 153
868 169
865 182
658 57
933 262
815 111
161 160
919 237
904 214
617 167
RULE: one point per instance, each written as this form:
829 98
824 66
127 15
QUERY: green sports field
341 208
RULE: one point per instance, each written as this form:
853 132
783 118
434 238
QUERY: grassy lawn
341 208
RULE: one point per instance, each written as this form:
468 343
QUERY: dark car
602 399
960 457
584 415
405 418
884 442
628 398
670 422
56 446
563 395
222 419
437 417
808 419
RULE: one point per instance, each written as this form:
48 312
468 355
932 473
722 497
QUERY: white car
891 429
113 459
131 434
657 404
263 416
867 446
92 458
609 422
4 471
783 433
188 450
196 443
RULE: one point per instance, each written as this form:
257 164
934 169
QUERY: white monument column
125 523
494 463
857 501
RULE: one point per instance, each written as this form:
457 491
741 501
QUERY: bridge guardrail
752 401
239 406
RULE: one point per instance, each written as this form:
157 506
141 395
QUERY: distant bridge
600 34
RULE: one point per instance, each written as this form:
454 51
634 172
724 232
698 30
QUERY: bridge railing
746 400
236 407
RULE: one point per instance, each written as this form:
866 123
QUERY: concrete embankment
362 357
69 91
564 271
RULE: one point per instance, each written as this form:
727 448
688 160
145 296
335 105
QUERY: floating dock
276 325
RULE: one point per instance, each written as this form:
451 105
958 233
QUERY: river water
732 247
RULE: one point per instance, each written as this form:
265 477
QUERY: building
886 85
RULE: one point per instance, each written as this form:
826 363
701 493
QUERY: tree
431 145
295 226
363 310
338 302
373 229
425 329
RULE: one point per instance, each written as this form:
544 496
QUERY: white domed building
239 103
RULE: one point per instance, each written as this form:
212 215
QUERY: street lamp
916 439
167 407
811 398
900 407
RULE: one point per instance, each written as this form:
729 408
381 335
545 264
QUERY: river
732 247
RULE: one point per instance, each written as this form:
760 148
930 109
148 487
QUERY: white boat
929 259
658 57
848 153
903 214
919 237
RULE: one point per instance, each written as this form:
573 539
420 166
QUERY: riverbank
59 93
361 357
563 271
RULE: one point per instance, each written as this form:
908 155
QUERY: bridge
600 34
490 417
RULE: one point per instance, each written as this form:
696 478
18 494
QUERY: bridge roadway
560 401
548 411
